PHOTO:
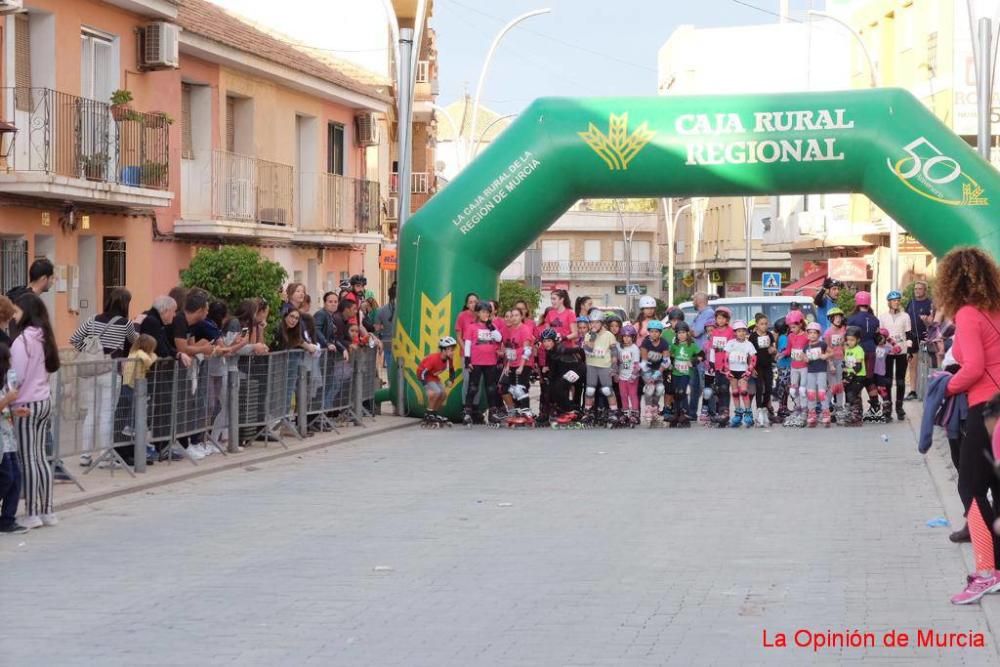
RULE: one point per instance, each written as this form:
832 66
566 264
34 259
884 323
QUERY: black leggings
490 375
765 381
895 365
975 474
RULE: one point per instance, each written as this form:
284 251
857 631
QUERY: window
640 251
98 78
114 264
22 62
423 71
555 251
13 264
592 250
335 149
230 124
187 141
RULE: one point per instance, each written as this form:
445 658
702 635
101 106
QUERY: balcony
420 182
339 207
603 270
71 148
248 197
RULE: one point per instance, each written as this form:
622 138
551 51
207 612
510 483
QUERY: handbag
91 353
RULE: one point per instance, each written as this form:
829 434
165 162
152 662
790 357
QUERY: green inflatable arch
882 143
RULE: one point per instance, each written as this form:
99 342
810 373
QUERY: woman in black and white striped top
116 332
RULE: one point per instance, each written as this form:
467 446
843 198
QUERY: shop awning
807 285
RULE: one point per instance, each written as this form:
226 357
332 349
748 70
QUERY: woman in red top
969 290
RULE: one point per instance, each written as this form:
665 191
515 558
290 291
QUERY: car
745 307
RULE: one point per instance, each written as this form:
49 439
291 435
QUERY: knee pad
745 394
591 391
883 392
822 395
660 390
606 391
707 393
837 389
811 395
648 390
802 392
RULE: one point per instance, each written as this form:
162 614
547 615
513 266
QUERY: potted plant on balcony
95 166
158 119
154 174
120 100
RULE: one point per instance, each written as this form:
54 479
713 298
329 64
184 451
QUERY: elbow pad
468 349
527 352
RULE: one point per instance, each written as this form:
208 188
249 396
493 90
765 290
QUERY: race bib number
483 336
814 353
511 354
880 353
763 342
739 358
798 354
599 352
900 339
719 342
683 365
850 362
654 357
836 341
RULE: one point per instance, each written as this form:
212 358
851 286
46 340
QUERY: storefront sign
387 259
849 269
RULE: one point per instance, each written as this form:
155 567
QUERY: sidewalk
102 484
945 479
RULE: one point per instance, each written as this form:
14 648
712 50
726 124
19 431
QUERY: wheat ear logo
617 148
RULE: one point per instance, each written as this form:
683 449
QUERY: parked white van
745 307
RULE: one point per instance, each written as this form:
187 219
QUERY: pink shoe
976 588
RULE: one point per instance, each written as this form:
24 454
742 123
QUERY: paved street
497 548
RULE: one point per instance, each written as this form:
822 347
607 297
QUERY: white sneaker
33 521
196 452
50 520
85 460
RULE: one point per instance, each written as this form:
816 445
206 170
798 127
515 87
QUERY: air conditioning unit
366 130
11 6
393 208
158 46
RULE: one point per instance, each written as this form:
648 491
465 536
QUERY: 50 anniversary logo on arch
930 173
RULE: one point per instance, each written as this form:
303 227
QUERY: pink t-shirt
484 347
717 341
514 343
562 322
834 338
797 344
465 318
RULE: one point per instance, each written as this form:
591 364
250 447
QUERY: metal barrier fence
107 416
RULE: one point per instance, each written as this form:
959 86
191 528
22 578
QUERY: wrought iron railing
76 137
420 183
249 189
617 267
331 204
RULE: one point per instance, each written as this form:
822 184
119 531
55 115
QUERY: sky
583 48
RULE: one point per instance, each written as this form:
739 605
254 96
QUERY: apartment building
82 182
279 149
231 135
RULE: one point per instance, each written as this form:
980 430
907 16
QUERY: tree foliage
512 291
235 273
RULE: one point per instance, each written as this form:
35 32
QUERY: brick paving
496 548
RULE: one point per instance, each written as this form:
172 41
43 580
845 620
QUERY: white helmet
647 302
447 341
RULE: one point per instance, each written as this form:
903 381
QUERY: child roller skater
882 381
765 343
783 366
601 349
721 335
684 354
854 377
709 403
796 351
655 360
482 348
817 374
429 371
515 377
741 355
834 338
629 359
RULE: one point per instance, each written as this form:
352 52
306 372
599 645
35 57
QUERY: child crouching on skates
429 372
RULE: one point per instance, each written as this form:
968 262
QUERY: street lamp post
489 57
982 14
671 232
482 135
873 81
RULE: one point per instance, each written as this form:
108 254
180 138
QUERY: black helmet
854 332
549 334
358 279
681 326
675 314
612 317
780 326
484 305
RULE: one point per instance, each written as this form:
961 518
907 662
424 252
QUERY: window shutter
22 62
187 144
230 124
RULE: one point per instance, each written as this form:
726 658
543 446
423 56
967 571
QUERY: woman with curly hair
970 293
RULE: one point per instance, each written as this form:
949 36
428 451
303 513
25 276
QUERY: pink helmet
863 299
883 332
794 317
725 311
739 324
812 326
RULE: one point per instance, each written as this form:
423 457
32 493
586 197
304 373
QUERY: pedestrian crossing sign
771 281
